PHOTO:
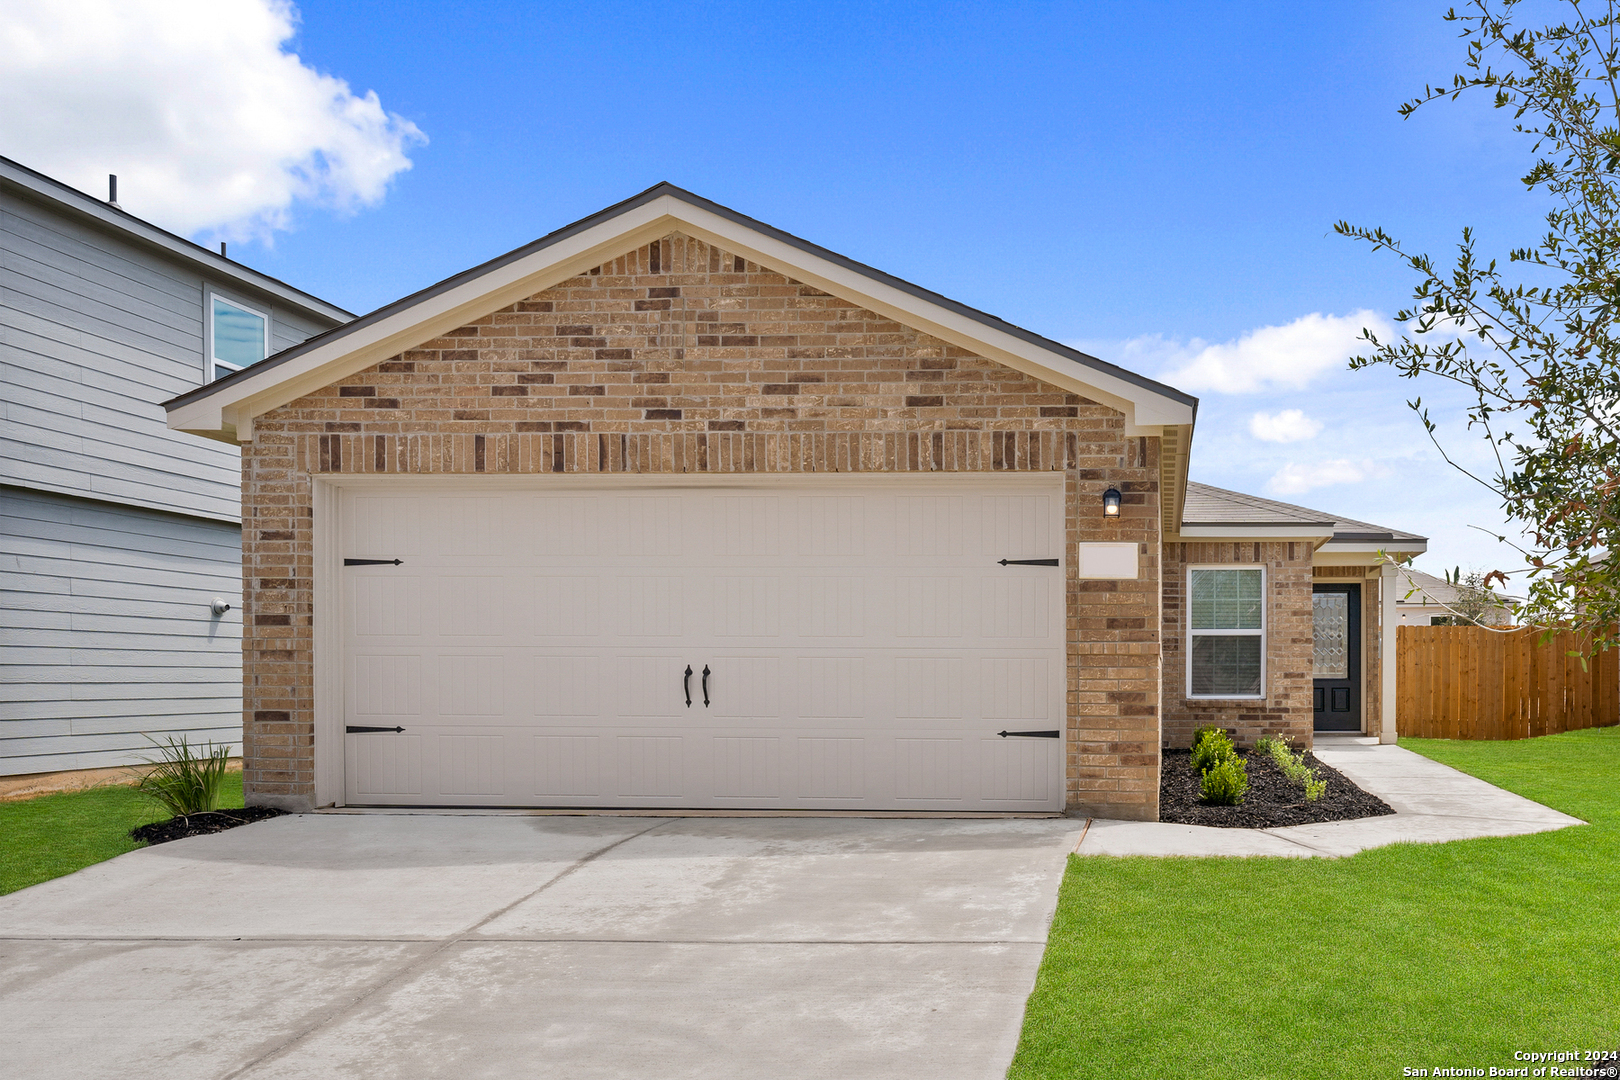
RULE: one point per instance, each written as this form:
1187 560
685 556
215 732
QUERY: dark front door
1336 613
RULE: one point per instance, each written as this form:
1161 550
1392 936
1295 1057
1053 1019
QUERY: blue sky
1144 181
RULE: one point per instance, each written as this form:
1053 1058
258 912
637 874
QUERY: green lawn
1421 955
54 835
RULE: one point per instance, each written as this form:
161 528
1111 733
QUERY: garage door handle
371 562
688 685
1028 562
358 729
1031 734
705 686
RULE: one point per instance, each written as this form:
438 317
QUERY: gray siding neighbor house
116 534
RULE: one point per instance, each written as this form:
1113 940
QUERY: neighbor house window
1226 632
238 336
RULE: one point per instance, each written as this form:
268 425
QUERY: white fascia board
1255 532
1361 547
1145 412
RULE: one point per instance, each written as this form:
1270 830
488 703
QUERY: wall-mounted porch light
1111 503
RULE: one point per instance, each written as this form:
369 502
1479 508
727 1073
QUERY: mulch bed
1273 800
213 821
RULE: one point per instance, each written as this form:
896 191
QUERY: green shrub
1212 749
1200 734
1292 765
183 781
1225 782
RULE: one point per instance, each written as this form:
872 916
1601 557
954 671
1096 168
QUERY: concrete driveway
428 945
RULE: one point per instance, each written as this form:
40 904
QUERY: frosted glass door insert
1331 613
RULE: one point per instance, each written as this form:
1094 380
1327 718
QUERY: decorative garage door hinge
1031 734
1028 562
360 729
371 562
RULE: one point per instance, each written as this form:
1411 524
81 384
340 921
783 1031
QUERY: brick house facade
685 356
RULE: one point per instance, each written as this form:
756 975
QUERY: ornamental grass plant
1292 764
185 781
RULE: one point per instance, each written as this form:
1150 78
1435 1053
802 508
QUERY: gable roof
225 409
1216 512
36 187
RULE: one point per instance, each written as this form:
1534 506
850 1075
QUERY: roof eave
1268 530
1393 547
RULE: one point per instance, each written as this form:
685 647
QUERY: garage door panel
650 686
1018 607
471 765
746 526
475 684
472 526
567 685
385 686
1014 688
929 687
564 527
831 525
746 606
832 606
651 606
566 605
929 606
384 765
568 766
831 687
1019 526
386 606
1017 770
651 526
383 526
929 769
747 767
652 766
743 687
929 525
476 606
832 768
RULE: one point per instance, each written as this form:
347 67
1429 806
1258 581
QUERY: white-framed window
238 336
1226 632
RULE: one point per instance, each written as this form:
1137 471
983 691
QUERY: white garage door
816 644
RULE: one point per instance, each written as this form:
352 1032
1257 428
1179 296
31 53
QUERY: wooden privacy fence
1468 682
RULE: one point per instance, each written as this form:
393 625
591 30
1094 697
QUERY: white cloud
1296 478
1289 425
1285 357
208 122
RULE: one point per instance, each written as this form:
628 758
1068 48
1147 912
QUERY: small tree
1475 604
1541 362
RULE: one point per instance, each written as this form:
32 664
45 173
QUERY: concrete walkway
420 945
1432 803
